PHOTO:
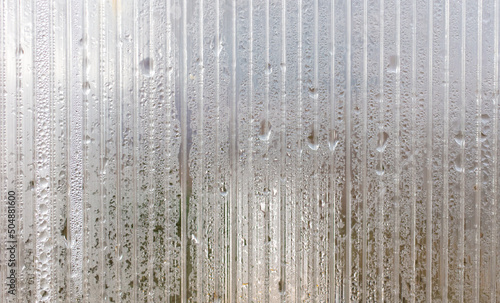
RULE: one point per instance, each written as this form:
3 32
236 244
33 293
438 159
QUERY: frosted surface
249 151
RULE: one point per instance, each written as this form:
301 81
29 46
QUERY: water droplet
269 69
485 118
380 169
283 67
382 141
265 130
333 140
312 140
194 239
86 88
459 139
223 190
393 64
313 93
458 166
19 51
147 67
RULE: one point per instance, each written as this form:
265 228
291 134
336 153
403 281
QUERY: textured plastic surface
249 151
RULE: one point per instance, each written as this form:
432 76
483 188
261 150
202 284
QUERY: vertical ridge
152 102
298 212
380 201
315 200
478 187
397 147
428 170
135 117
102 144
184 155
332 189
461 237
201 199
364 249
494 241
251 198
282 170
413 150
446 196
218 237
348 183
119 156
233 201
267 216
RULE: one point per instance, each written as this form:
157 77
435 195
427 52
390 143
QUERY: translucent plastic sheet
249 151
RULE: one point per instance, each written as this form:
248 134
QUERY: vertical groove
446 196
348 183
461 236
413 156
478 187
169 93
397 147
75 238
428 170
43 85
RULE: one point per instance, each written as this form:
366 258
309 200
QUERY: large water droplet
333 140
86 88
459 139
312 140
382 141
19 51
147 67
393 64
380 169
458 165
313 93
269 69
264 130
223 190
